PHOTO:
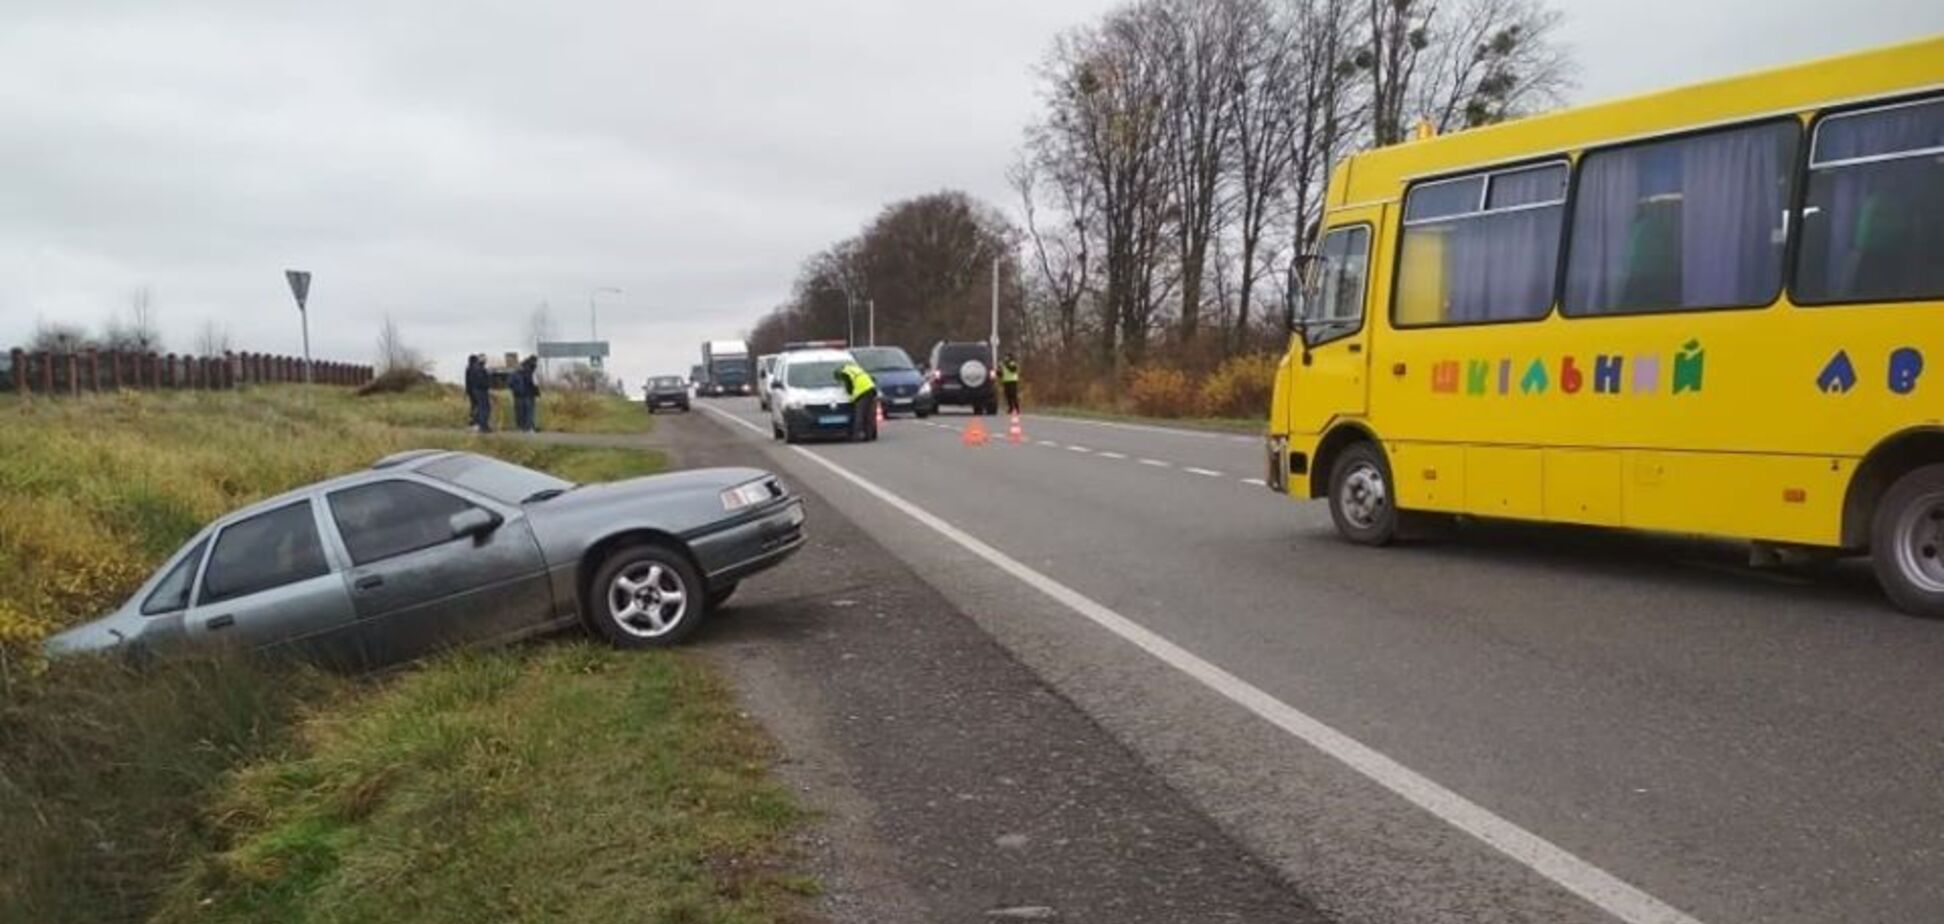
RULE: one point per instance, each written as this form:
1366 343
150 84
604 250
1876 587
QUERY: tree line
1178 161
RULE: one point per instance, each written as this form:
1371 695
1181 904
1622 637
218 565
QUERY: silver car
433 549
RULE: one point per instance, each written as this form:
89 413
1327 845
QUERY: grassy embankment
557 781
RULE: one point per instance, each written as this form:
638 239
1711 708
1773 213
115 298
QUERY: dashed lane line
1157 463
1208 472
1563 868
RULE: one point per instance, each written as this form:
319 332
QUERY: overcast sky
456 164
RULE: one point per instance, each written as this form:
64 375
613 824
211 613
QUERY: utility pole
872 305
995 310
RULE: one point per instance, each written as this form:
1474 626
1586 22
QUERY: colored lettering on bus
1839 376
1906 364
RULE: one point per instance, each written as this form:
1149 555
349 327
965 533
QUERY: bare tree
1198 44
1107 99
60 338
1061 252
138 333
394 356
1489 61
213 339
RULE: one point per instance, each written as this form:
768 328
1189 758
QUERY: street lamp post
592 333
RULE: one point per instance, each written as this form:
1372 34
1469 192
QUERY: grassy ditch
552 781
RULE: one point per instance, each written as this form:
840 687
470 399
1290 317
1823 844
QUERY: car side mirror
474 523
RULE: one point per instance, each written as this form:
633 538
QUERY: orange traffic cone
975 433
880 413
1014 434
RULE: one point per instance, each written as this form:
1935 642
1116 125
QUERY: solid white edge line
1597 886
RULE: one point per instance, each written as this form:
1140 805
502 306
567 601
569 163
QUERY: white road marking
1174 431
1111 455
1597 886
1157 463
1049 443
1202 471
1072 448
1256 481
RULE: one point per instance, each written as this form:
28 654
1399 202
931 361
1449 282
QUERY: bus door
1331 370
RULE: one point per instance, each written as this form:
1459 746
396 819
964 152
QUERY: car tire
645 596
776 432
1907 542
789 436
921 415
1361 496
721 595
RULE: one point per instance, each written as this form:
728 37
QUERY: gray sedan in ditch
432 549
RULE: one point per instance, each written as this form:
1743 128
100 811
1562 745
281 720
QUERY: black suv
962 374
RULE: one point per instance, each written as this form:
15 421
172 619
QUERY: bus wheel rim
1364 495
1920 543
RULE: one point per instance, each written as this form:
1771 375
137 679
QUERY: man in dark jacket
524 383
479 393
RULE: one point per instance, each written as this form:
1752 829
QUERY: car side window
389 518
172 594
265 551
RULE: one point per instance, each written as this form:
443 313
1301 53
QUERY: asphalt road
1643 728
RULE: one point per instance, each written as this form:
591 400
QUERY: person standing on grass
475 392
479 383
1009 381
524 383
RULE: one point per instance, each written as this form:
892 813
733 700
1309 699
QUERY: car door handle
369 581
221 622
1356 348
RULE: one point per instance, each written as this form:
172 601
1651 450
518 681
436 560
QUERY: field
476 786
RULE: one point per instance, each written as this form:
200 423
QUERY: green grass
123 791
1219 424
571 783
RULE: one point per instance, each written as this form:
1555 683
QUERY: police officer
1009 380
864 395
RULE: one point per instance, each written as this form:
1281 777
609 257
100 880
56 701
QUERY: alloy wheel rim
648 600
1919 542
1364 496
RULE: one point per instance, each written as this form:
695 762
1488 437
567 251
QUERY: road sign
573 349
299 285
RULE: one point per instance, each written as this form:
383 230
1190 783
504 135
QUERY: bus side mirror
1305 282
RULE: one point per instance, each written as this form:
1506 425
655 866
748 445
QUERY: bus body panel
1743 422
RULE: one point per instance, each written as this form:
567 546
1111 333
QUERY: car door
418 586
269 584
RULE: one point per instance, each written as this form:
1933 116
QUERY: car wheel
789 436
921 415
1907 542
1361 498
776 432
721 595
646 596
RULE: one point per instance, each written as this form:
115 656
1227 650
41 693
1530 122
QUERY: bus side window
1683 224
1481 248
1873 213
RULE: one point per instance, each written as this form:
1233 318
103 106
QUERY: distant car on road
805 398
901 389
667 391
765 364
962 374
431 549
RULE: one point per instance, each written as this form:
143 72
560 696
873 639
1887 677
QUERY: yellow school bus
1715 310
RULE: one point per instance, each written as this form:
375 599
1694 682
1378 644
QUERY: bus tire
1907 542
1361 496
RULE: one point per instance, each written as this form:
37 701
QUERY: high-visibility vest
1009 374
860 381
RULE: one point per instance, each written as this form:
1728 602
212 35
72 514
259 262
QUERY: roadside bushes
1240 387
1161 391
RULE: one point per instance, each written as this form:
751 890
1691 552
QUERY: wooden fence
109 370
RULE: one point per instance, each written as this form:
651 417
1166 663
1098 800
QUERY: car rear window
816 374
955 354
882 359
501 481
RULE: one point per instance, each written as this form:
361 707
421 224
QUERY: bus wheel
1907 542
1361 497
